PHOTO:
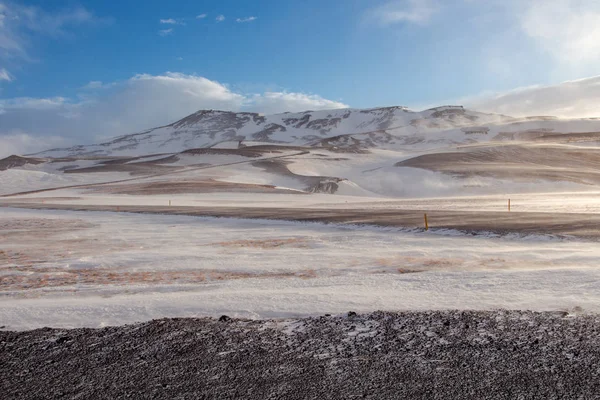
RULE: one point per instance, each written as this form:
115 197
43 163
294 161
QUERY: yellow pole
508 205
426 223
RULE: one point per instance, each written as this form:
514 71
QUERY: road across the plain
584 226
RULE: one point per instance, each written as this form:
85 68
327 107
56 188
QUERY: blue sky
84 70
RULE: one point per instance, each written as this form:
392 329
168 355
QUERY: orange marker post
426 223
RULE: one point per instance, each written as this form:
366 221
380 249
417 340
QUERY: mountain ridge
393 127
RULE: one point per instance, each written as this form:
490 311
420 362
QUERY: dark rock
387 356
62 339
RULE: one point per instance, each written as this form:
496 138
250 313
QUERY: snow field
69 269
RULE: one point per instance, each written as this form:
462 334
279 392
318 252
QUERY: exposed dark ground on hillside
424 355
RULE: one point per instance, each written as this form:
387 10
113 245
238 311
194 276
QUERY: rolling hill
390 152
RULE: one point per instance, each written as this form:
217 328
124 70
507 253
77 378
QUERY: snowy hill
390 152
346 128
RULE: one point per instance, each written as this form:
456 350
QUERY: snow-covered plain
26 179
553 202
67 269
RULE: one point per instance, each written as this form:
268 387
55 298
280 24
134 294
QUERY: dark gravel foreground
411 355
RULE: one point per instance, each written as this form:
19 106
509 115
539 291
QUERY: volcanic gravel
410 355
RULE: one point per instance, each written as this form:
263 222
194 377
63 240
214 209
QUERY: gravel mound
410 355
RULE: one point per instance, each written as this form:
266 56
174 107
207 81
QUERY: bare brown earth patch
14 225
186 186
18 161
29 277
141 168
400 271
407 264
266 243
523 162
408 271
30 246
251 152
33 242
44 199
40 249
424 261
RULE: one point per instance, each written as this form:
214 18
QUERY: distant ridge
206 128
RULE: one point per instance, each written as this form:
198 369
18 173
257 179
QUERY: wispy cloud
4 75
32 103
201 16
21 25
19 142
179 58
220 18
94 85
141 102
171 21
165 32
246 19
571 99
558 39
404 11
567 29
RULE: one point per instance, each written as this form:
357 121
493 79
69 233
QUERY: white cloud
93 85
220 18
32 103
519 35
165 32
171 21
567 29
20 25
141 102
278 102
405 11
96 85
201 16
4 75
179 58
246 19
571 99
23 143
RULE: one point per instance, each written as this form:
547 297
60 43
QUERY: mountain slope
345 128
390 152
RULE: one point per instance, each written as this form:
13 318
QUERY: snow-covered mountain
394 128
346 128
388 152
